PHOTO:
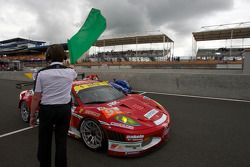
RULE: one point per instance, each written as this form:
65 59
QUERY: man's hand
34 107
32 120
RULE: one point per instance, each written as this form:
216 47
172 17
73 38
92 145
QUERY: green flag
93 27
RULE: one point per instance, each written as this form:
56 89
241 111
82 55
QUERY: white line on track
200 97
17 131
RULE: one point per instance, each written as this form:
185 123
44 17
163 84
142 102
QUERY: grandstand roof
222 34
129 40
20 40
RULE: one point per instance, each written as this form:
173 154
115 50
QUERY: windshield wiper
95 102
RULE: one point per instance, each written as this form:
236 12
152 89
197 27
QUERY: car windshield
99 94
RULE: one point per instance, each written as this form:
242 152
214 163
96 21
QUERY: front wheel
93 135
25 113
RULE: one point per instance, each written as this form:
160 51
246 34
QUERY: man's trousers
53 118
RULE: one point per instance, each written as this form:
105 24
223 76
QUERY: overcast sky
55 21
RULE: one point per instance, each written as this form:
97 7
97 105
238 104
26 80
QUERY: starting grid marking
17 131
142 92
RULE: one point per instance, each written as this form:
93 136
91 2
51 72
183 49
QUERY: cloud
181 10
53 19
122 16
48 20
176 18
141 15
57 20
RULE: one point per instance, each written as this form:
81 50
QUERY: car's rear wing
24 84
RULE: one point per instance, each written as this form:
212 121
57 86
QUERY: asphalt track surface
205 133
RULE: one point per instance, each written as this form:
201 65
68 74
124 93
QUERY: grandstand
22 49
129 55
222 32
220 54
109 54
147 50
16 52
30 51
17 46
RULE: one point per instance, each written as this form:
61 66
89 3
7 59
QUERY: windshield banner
77 88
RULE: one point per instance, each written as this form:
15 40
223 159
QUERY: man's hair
55 53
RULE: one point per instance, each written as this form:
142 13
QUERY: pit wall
233 84
246 63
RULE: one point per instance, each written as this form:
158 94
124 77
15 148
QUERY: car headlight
126 120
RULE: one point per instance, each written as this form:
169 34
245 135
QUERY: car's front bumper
149 140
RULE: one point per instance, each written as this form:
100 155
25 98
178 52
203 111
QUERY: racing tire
92 135
25 112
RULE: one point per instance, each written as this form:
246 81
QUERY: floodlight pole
231 42
136 46
163 53
194 47
173 52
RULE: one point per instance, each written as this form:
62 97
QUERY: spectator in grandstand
52 97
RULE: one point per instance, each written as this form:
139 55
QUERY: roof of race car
84 81
87 83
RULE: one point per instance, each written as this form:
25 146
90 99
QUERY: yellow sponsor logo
77 88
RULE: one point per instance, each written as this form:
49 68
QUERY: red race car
105 118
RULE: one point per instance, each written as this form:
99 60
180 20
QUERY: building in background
16 52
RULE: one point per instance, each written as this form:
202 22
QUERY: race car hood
137 109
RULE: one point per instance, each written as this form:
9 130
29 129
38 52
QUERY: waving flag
93 27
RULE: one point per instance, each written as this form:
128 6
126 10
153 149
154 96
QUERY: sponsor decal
92 113
109 112
135 137
103 123
161 120
133 146
121 125
77 116
124 146
113 103
77 88
132 153
116 147
151 113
